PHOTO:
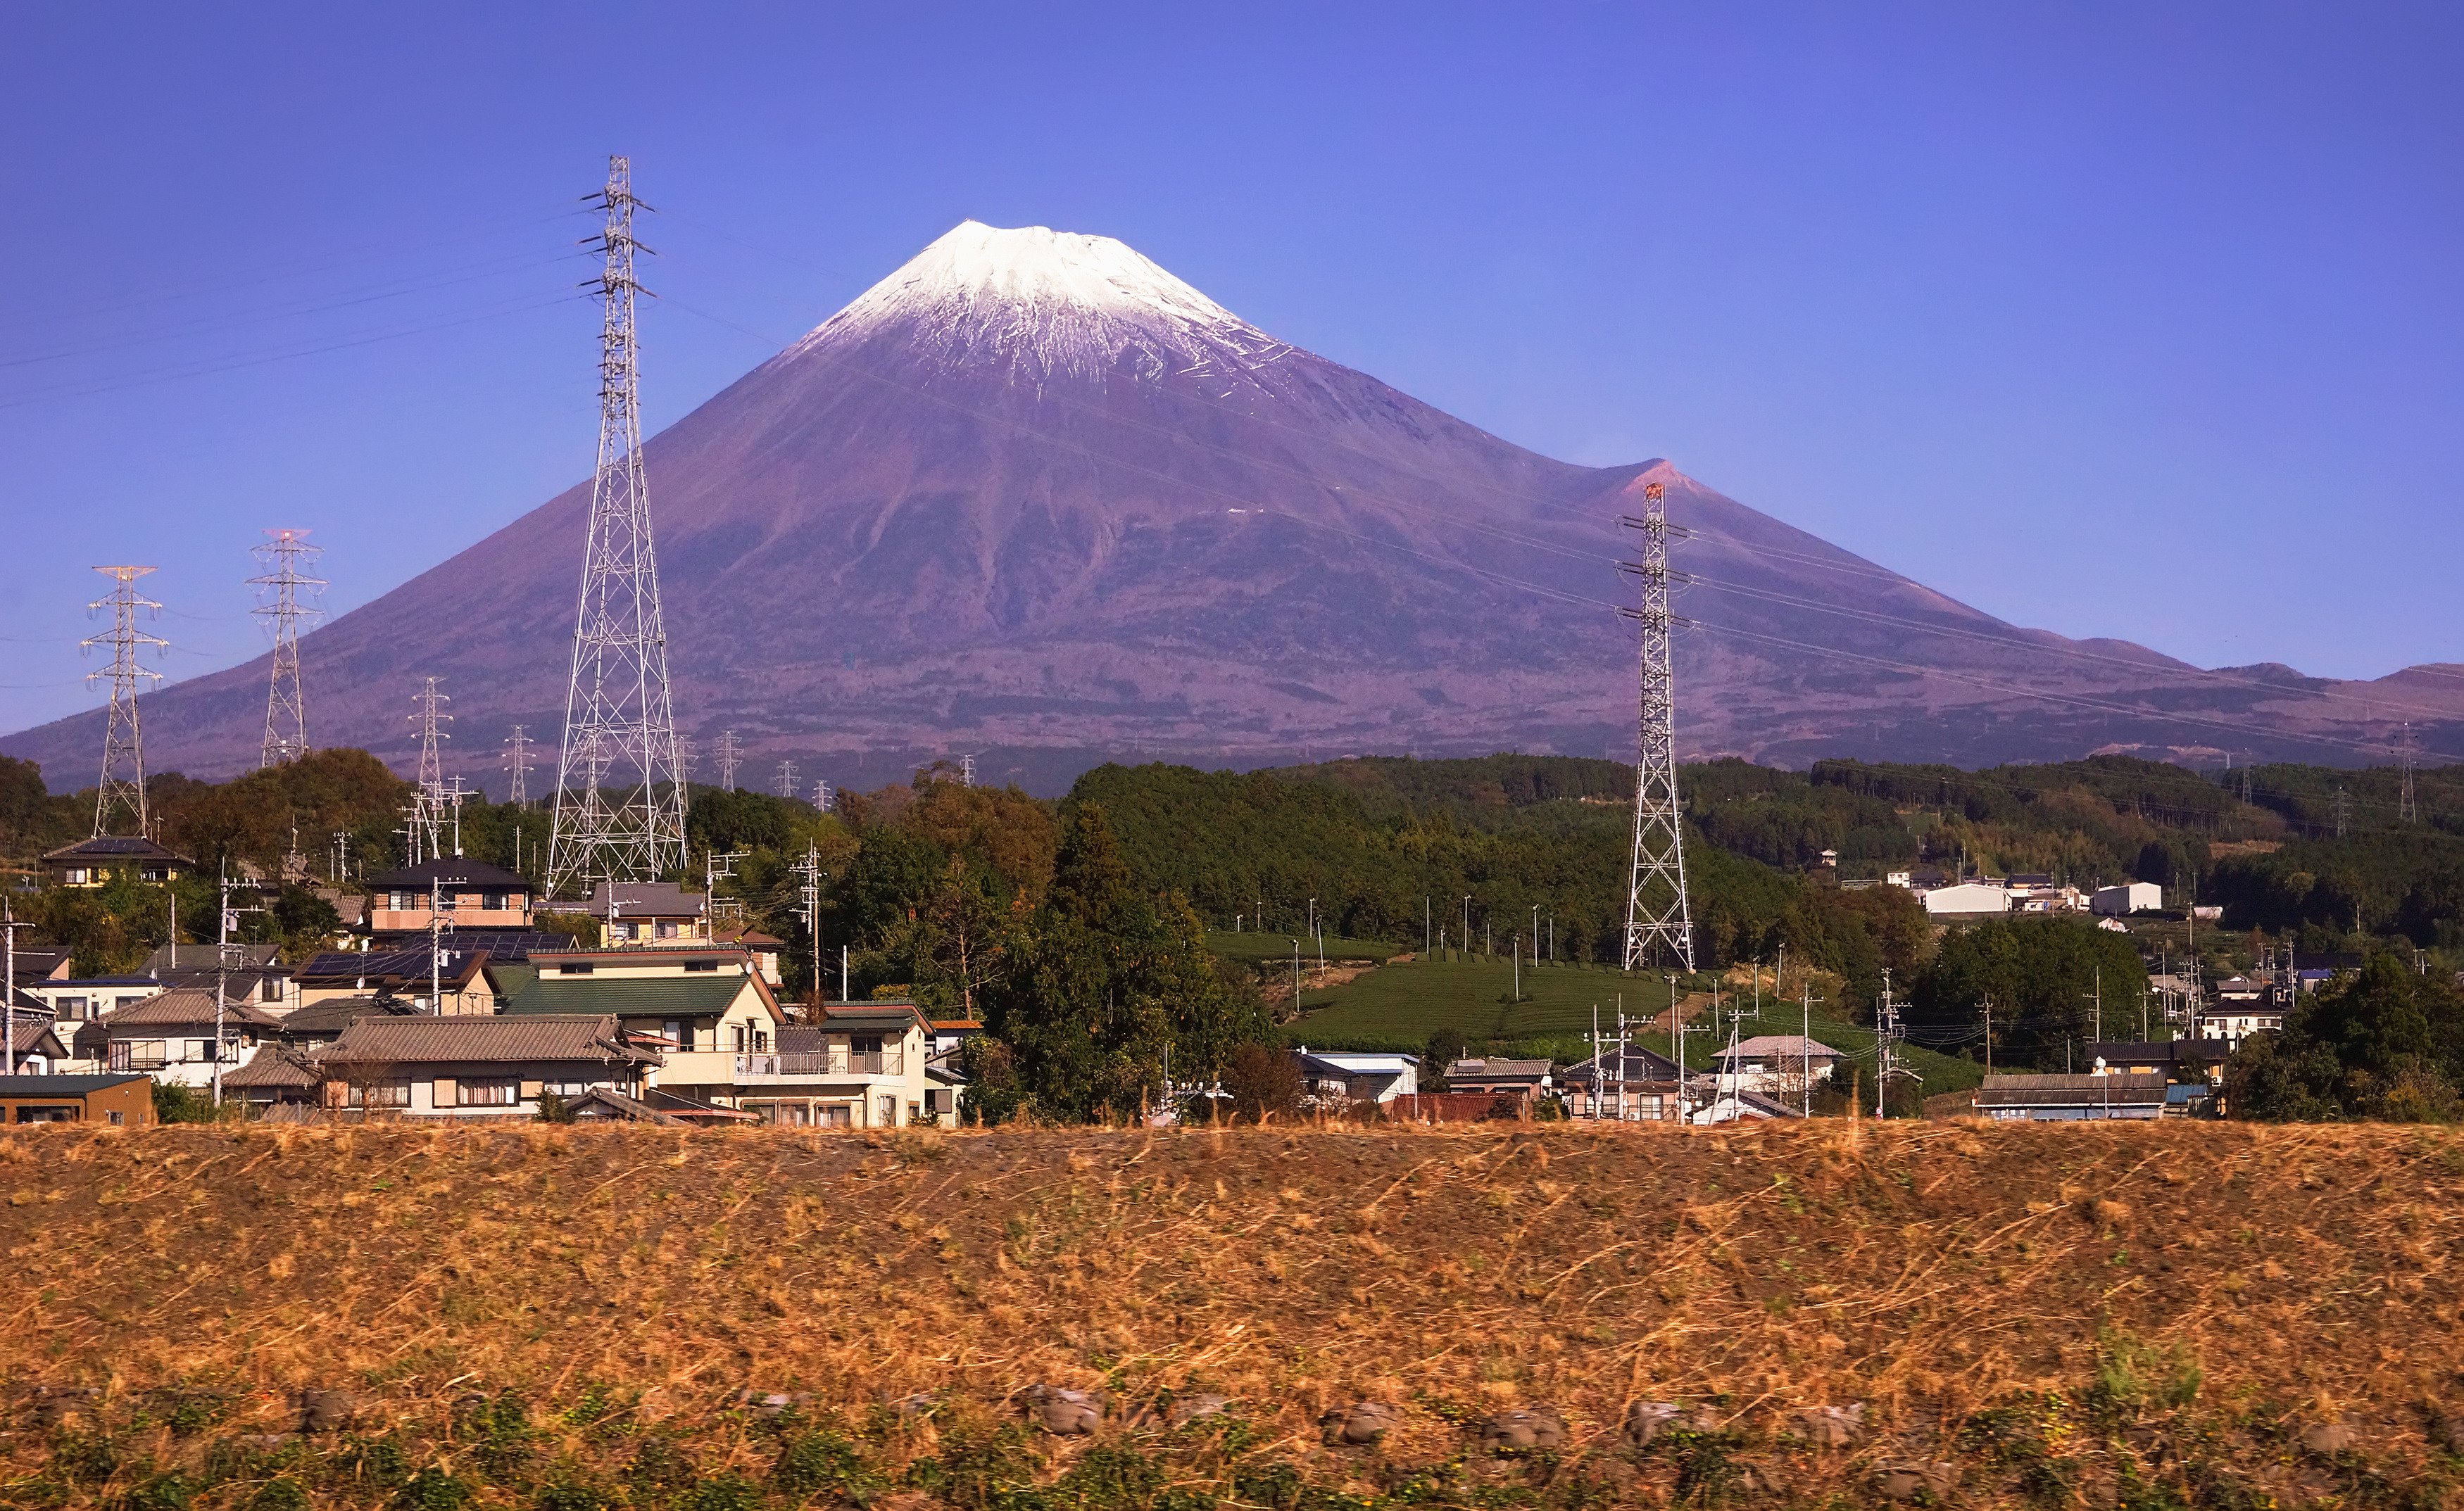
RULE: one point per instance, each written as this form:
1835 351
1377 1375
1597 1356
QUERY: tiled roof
474 1039
275 1069
116 847
2069 1091
1780 1046
645 900
187 1007
701 995
341 1013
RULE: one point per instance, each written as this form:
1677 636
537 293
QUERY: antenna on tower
731 756
1656 915
2406 812
427 807
123 748
279 587
518 762
786 779
619 716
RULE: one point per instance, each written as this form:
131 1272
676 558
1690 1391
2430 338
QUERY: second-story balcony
835 1063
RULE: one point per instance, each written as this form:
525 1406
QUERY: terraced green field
1398 1006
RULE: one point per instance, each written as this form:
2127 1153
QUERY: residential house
762 948
33 1046
465 977
1526 1078
321 1023
1780 1066
2039 893
92 863
2175 1059
171 1036
80 1000
864 1064
650 913
699 1009
2068 1099
1625 1085
1349 1076
112 1101
2242 1007
280 1076
479 1067
464 895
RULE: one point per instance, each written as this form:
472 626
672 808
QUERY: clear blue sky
2115 319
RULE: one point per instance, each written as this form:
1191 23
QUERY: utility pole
428 818
1886 1049
278 588
1988 1036
810 870
620 790
1658 918
9 992
731 756
1805 1054
124 747
518 762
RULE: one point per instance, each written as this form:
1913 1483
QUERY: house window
667 929
760 1040
835 1115
270 990
701 965
491 1093
383 1094
889 1110
77 876
119 1118
136 1054
680 1031
573 968
71 1008
494 902
738 1031
566 1088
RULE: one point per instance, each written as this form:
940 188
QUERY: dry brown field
2119 1315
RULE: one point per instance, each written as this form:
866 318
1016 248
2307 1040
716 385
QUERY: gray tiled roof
476 1039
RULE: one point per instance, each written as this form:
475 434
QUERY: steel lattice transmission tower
1656 915
731 756
619 797
2407 811
428 812
279 587
123 748
518 762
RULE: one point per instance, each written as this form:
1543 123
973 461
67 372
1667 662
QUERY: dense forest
1077 925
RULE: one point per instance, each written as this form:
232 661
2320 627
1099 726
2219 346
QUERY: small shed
115 1100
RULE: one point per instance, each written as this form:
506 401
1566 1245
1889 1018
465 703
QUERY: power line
619 714
278 588
122 785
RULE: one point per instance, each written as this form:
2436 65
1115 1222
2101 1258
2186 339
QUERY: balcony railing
822 1064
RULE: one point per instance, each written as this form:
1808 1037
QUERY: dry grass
1927 1271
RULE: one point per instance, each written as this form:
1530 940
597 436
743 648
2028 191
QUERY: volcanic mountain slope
1034 495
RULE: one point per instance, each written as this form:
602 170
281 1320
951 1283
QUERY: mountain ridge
1032 494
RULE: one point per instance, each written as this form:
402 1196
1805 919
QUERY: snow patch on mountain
1049 303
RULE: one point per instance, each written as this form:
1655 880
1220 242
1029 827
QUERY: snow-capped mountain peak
1062 302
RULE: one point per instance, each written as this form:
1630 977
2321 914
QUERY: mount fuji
1033 497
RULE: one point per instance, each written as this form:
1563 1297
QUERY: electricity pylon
279 587
620 791
731 756
518 763
1657 917
428 811
124 747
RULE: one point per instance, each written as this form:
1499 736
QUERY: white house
2130 897
1775 1065
1358 1077
865 1064
1967 900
